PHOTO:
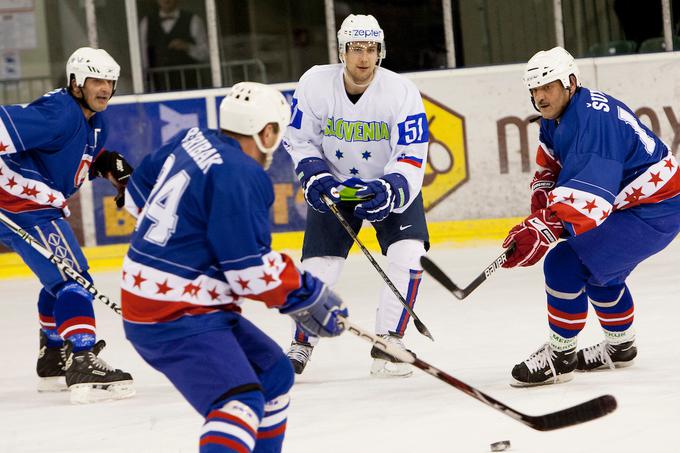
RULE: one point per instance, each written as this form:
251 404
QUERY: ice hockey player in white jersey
356 124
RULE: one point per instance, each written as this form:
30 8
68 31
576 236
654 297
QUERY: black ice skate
90 379
545 366
299 354
50 367
385 365
605 355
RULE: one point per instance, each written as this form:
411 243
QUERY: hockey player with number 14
47 150
612 188
357 124
203 244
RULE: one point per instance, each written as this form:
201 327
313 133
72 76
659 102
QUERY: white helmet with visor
360 28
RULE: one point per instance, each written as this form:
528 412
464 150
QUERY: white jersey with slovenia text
384 132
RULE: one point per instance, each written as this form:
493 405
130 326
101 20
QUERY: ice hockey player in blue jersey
611 188
47 150
358 123
201 247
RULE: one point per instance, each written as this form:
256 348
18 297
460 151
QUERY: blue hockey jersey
202 241
46 150
606 160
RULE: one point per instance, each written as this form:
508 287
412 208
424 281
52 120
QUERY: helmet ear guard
89 62
359 27
247 110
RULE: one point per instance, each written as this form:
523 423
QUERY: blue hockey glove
348 190
388 192
315 308
316 180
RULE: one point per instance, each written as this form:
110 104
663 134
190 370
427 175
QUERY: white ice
337 407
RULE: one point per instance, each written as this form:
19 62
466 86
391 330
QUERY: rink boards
480 155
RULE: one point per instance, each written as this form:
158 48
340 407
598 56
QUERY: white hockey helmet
360 28
549 65
249 107
88 62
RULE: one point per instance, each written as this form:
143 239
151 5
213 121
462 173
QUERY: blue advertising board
138 128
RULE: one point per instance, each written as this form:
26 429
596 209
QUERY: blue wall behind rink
139 128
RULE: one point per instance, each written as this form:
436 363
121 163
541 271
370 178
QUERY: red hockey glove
543 182
532 238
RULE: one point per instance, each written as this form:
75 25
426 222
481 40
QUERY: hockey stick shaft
418 323
461 293
574 415
65 268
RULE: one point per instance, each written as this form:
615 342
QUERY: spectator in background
640 23
174 37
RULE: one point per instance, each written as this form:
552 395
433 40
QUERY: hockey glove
541 185
113 166
389 192
532 238
315 307
316 180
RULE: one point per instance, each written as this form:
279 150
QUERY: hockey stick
336 212
461 293
65 268
583 412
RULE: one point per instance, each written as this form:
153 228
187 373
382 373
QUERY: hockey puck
500 446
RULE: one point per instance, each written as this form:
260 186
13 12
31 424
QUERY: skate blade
386 369
561 379
52 384
96 392
606 367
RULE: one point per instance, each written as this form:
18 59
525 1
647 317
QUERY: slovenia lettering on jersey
357 131
200 150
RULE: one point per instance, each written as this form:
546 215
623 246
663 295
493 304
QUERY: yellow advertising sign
118 222
447 166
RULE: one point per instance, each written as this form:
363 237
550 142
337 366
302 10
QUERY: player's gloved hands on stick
541 185
315 307
389 192
316 180
532 238
113 166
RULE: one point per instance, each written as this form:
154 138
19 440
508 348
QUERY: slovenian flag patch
411 160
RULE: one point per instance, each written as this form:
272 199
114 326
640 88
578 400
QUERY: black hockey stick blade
435 272
461 293
583 412
422 328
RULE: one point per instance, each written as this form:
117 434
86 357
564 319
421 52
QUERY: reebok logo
404 227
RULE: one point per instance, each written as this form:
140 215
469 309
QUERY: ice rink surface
337 407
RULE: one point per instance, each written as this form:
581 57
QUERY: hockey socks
615 311
232 427
273 426
405 271
74 316
565 282
48 326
